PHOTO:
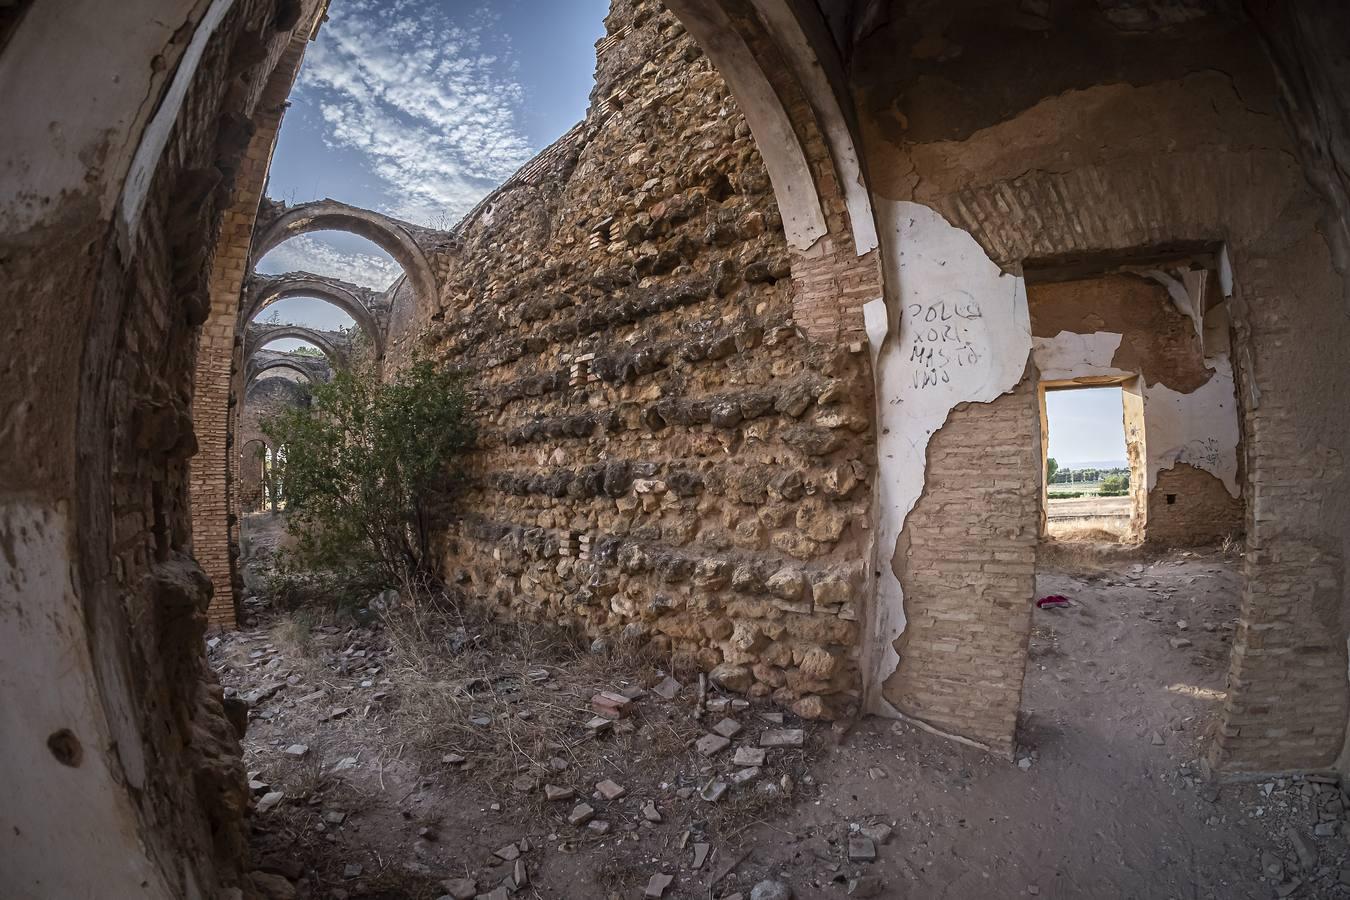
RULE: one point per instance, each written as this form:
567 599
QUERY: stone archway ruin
331 343
357 302
129 367
311 368
399 239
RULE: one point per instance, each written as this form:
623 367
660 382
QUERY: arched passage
259 336
258 367
107 636
252 461
264 291
394 237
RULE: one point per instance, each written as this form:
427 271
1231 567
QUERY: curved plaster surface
801 50
45 660
954 329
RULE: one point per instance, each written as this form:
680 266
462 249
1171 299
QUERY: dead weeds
510 699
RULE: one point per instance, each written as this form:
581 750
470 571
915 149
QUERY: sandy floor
1105 800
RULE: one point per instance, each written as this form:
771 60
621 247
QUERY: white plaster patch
1070 355
964 336
87 93
47 683
1200 428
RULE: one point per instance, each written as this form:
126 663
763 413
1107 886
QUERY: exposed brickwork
214 514
119 303
1205 164
967 562
1287 703
1189 506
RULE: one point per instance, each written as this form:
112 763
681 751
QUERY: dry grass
531 684
1100 528
294 633
1087 557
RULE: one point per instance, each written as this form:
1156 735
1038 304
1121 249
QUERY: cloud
306 253
432 111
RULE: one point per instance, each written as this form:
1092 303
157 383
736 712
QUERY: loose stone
783 737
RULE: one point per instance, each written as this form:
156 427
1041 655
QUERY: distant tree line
1056 475
1108 482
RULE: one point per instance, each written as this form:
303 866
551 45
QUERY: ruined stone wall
664 455
266 397
1127 324
1093 133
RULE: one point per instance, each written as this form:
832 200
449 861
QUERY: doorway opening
1092 444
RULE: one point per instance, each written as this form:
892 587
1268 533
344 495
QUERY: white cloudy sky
1086 426
418 108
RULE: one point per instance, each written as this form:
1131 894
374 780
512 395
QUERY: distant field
1083 486
1087 507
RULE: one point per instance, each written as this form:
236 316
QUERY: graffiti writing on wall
1202 453
943 338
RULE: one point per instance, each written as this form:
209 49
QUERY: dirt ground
1105 799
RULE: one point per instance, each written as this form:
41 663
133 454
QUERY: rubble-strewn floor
1106 799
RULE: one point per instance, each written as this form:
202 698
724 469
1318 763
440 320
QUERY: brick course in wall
214 510
967 562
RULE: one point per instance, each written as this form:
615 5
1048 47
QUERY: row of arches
255 355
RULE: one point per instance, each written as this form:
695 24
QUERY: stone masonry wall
664 454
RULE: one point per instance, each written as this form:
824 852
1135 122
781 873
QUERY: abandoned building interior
759 355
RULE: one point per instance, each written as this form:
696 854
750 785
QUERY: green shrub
368 468
1114 485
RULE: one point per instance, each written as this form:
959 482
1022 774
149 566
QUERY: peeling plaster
965 338
1069 355
1200 428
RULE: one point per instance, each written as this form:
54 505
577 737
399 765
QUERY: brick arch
163 119
257 368
390 235
265 292
261 337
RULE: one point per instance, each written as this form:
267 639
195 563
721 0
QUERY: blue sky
1086 426
419 108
